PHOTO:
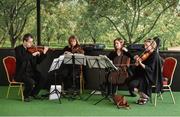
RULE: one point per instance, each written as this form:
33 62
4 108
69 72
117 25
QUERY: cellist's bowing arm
128 62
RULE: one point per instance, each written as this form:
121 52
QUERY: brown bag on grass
121 102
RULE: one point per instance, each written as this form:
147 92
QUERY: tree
14 15
132 19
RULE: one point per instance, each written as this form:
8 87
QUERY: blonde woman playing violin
146 72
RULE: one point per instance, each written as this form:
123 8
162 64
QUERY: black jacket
25 62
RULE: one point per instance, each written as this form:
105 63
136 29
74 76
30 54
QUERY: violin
145 54
36 49
77 50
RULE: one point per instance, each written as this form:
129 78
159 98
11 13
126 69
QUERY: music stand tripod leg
94 91
109 91
100 100
56 91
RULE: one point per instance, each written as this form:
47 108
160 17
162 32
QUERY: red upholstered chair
9 63
169 67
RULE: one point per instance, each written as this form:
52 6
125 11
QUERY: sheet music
100 61
79 59
56 63
93 61
108 62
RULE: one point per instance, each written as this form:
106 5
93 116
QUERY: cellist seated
120 60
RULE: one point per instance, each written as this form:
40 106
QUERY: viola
36 49
77 50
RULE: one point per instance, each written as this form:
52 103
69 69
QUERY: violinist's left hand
45 49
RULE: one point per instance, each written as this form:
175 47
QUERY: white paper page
80 59
56 63
105 61
92 61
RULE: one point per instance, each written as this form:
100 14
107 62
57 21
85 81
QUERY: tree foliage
14 15
93 21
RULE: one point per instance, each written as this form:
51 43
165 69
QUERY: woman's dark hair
73 37
27 36
118 39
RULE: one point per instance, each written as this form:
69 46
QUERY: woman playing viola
144 76
120 60
73 47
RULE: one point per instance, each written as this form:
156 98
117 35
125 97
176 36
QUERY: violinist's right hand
36 53
45 49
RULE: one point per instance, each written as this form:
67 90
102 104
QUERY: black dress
143 79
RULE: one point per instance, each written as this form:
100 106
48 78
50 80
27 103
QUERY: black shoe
27 99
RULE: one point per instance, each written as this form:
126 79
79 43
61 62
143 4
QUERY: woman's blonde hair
152 42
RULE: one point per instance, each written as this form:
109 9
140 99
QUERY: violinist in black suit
26 71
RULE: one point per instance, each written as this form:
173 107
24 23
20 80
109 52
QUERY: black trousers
134 83
32 84
141 84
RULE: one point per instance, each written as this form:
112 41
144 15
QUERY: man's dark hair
27 36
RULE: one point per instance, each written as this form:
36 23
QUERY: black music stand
99 62
54 66
74 59
93 62
108 66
